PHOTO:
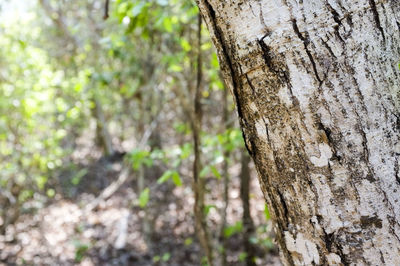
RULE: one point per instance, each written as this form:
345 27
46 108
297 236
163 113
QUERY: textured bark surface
317 89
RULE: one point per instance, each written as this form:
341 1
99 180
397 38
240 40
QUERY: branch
106 6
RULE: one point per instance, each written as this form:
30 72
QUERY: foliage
80 250
70 82
233 229
144 197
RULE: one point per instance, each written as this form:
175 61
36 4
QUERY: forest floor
80 227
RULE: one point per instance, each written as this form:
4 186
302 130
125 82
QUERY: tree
317 86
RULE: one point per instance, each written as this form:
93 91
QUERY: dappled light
119 142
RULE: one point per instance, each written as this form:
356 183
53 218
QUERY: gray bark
317 89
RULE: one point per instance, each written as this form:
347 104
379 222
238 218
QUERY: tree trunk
317 90
248 224
198 182
102 132
226 179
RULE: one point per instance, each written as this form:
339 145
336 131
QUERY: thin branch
106 6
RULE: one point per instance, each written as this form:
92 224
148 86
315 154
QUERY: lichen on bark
317 89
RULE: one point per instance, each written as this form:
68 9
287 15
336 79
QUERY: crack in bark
364 143
330 140
328 238
284 206
247 141
281 219
335 14
295 101
325 43
228 64
397 123
262 117
398 25
281 73
396 171
338 20
376 18
251 85
266 52
392 222
336 28
342 256
306 42
382 259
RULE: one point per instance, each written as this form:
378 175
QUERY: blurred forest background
119 144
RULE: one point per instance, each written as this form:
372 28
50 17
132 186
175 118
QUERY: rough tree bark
317 89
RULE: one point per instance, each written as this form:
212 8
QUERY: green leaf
25 195
140 157
266 213
242 256
185 45
80 250
233 229
156 258
204 172
50 192
168 25
215 172
175 68
253 240
176 163
206 46
157 154
166 256
144 198
122 8
41 181
186 150
268 243
207 208
78 176
188 241
214 61
22 43
176 179
165 177
137 9
148 161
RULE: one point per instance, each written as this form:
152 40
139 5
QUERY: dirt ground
80 226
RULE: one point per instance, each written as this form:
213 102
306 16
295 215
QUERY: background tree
98 144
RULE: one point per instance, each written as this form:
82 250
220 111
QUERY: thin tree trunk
248 225
147 225
317 89
101 128
226 179
199 183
